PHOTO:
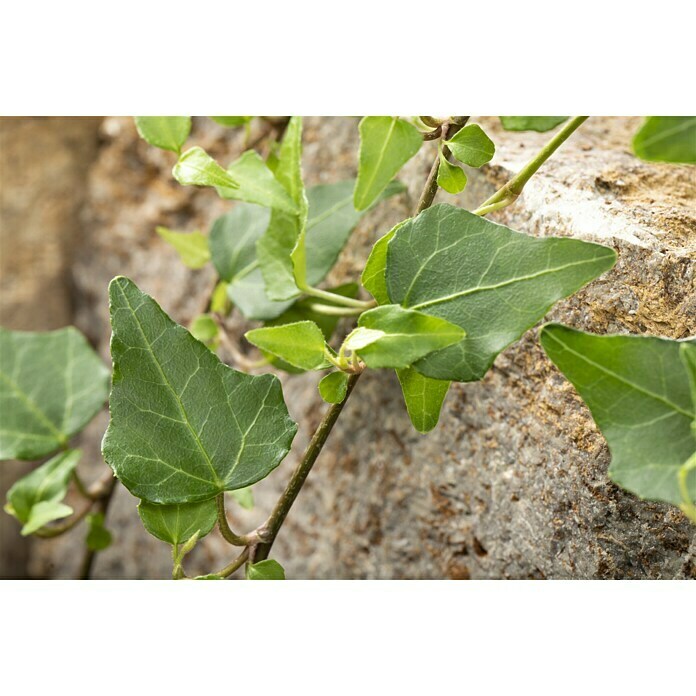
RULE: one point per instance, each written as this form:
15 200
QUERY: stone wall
512 483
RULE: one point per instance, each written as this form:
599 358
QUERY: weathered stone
512 483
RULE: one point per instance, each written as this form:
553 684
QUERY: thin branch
101 506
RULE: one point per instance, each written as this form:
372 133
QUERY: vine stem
225 529
101 506
509 193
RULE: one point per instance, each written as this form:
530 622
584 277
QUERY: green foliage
391 336
333 387
637 389
373 276
532 123
35 500
192 247
184 426
386 144
232 121
471 146
424 398
197 168
244 498
256 184
51 385
165 132
667 139
176 524
98 536
265 570
450 177
493 282
300 344
205 329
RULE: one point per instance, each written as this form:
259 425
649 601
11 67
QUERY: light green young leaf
257 184
373 277
184 426
450 177
424 398
333 387
232 121
386 144
540 124
44 512
197 168
205 329
45 485
406 336
667 139
244 498
493 282
191 246
51 385
165 132
300 344
219 302
98 536
176 524
471 146
265 570
637 389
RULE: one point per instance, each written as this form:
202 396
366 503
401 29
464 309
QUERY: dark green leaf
176 524
265 570
257 184
471 146
531 123
333 387
300 344
191 246
638 392
667 139
98 536
197 168
165 132
232 121
450 177
51 385
424 398
493 282
386 144
35 499
391 336
184 426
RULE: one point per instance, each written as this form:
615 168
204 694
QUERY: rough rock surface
512 484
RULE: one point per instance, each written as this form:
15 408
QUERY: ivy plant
441 294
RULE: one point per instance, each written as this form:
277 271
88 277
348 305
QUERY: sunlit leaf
532 123
192 247
450 177
667 139
471 145
165 132
300 344
197 168
333 387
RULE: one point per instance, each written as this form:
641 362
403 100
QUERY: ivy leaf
399 337
450 177
265 570
197 168
386 144
176 524
192 247
638 392
424 398
232 121
687 353
373 277
300 344
184 426
256 184
244 498
333 387
219 302
205 329
493 282
51 385
165 132
98 536
471 145
35 499
667 139
531 123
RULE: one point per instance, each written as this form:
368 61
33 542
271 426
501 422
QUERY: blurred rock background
512 483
